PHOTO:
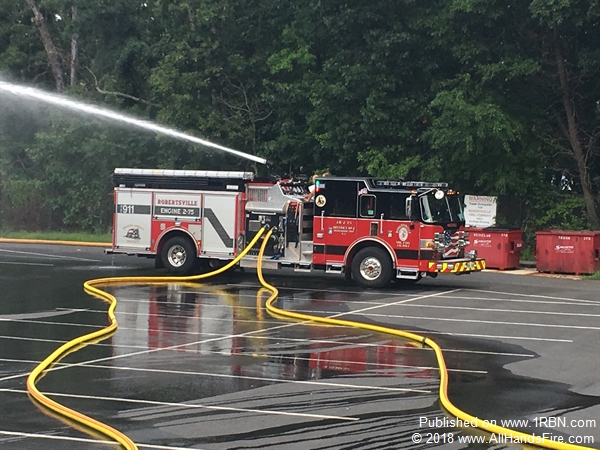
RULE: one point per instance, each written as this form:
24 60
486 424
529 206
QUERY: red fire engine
371 230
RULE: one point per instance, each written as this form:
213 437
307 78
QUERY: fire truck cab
380 230
370 230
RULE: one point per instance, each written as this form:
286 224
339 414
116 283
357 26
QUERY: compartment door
219 224
133 221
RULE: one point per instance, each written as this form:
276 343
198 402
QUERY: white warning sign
480 211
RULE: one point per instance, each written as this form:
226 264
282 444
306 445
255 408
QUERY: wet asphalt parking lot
204 366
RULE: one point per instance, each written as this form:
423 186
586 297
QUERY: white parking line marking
54 437
333 291
394 294
221 375
595 302
399 302
216 319
493 310
513 300
192 406
492 322
74 258
388 367
516 311
87 441
498 336
41 314
26 263
306 341
481 352
178 347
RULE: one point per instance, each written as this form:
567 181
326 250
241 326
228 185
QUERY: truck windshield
447 209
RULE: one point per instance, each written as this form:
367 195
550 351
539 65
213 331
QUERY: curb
516 271
532 272
529 264
48 241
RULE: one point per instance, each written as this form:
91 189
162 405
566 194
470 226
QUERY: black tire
372 268
178 255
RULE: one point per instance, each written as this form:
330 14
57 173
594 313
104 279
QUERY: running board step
303 268
407 274
334 268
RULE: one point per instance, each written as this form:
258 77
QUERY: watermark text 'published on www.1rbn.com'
433 430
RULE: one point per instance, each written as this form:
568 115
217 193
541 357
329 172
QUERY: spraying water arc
64 102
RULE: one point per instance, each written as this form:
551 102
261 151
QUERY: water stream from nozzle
64 102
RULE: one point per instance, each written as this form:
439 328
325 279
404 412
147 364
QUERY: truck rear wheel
372 268
178 255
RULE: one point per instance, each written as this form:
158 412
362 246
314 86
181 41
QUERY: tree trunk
191 17
51 51
572 134
74 48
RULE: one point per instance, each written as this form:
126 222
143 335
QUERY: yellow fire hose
89 287
516 436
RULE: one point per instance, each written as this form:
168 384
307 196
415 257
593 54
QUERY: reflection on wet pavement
203 366
231 329
258 375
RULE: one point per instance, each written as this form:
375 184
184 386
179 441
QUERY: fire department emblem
403 232
320 201
133 232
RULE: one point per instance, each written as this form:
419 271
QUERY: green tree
567 36
210 79
71 162
502 113
495 97
351 86
22 55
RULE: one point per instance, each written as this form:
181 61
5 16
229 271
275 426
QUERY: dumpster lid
569 232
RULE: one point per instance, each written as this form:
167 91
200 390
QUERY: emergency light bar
424 184
411 184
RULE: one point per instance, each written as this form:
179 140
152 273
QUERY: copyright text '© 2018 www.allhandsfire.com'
441 435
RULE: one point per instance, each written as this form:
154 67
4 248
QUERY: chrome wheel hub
176 256
370 268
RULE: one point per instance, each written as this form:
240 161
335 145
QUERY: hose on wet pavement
91 288
512 435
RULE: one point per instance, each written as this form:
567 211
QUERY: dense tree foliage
496 97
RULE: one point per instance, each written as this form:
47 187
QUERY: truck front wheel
178 255
372 268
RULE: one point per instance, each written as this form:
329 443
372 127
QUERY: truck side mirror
408 207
